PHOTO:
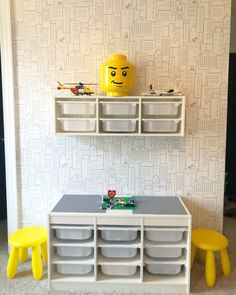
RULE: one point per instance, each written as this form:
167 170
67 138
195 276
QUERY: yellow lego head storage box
117 76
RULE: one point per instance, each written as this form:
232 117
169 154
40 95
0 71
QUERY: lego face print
118 76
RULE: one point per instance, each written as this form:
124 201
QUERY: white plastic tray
76 251
164 235
79 269
114 125
119 235
118 270
78 108
163 252
160 125
119 108
74 233
117 252
163 269
161 108
79 125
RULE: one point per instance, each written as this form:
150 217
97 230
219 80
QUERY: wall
233 28
182 44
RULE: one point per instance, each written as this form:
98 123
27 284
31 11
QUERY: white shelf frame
98 117
142 280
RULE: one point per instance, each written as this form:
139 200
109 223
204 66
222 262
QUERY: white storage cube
118 270
78 269
76 251
119 108
74 233
118 235
164 235
118 252
119 125
160 108
163 252
78 108
163 269
79 125
160 125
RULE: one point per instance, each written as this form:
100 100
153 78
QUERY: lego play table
144 249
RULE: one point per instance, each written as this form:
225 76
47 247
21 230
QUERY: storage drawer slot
163 109
74 269
78 108
164 269
118 125
119 233
119 109
164 234
164 252
73 232
119 252
77 124
161 126
119 270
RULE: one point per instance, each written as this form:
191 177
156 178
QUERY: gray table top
144 205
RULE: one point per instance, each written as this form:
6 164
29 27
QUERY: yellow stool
21 240
209 241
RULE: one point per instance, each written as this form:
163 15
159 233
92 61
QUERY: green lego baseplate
118 203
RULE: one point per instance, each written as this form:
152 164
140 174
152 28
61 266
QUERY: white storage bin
161 108
164 252
76 251
164 235
118 252
163 269
119 270
160 125
119 125
78 108
118 235
74 233
119 108
79 125
78 269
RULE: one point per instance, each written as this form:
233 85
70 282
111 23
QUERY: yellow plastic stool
209 241
21 240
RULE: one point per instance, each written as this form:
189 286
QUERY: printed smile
119 83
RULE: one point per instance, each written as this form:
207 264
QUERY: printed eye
124 73
113 73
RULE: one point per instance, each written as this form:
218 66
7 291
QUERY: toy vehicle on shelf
76 88
152 91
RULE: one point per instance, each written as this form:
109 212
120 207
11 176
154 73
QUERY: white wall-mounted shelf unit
131 115
145 250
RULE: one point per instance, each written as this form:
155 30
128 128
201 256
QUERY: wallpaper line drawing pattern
180 44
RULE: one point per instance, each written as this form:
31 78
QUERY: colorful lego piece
111 193
118 203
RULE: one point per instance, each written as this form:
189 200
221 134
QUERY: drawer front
70 269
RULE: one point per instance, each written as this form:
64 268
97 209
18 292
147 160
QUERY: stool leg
210 270
37 267
12 263
193 254
44 252
203 256
23 254
225 262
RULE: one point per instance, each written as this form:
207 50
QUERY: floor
23 283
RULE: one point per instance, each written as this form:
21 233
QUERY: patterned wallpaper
182 44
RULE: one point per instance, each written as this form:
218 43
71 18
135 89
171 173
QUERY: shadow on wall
201 214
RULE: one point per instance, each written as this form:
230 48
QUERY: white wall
182 44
